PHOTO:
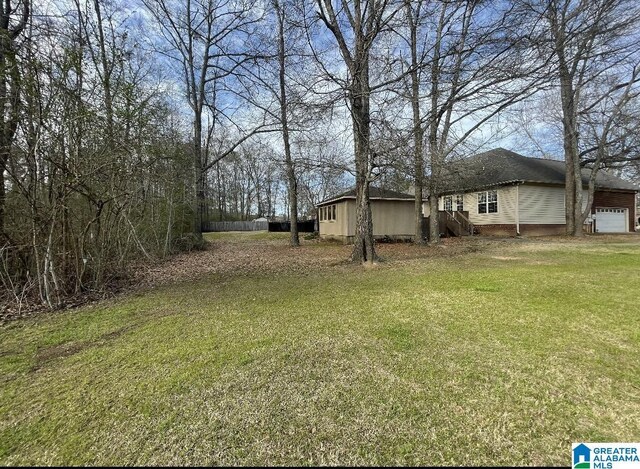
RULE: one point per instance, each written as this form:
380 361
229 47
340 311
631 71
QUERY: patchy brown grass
450 355
248 253
241 256
257 253
47 354
233 258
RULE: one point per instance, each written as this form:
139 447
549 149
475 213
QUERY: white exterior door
611 220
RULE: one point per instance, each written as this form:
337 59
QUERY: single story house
392 213
506 193
499 192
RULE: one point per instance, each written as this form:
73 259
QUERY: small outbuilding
392 213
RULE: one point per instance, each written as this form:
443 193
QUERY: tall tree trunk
434 226
221 203
418 182
577 208
9 91
568 98
569 195
3 162
364 20
106 77
570 144
292 185
434 194
199 176
418 132
363 249
435 157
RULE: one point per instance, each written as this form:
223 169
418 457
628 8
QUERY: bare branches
86 192
329 18
356 27
593 47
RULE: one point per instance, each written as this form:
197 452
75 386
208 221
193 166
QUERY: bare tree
292 184
414 15
476 65
280 88
11 27
595 65
204 38
95 172
356 25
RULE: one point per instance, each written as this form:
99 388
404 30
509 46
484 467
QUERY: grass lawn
245 236
503 356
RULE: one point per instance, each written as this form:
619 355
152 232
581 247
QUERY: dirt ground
244 254
276 256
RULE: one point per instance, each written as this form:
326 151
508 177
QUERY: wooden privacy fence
249 225
307 226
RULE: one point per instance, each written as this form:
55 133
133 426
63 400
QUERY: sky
525 128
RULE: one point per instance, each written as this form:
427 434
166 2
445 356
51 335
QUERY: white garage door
611 220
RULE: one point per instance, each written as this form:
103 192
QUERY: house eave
522 181
352 197
484 187
613 189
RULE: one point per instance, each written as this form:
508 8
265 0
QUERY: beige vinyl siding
392 218
337 227
544 205
350 228
506 207
538 205
541 205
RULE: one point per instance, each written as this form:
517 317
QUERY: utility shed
392 213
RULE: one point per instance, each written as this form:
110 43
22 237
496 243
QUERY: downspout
635 212
517 209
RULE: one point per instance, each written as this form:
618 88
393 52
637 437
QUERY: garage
611 220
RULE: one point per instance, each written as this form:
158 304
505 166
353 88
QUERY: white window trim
326 212
487 202
444 203
455 202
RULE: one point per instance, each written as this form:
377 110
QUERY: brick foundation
543 230
525 230
496 230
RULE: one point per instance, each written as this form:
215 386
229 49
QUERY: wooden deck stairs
451 224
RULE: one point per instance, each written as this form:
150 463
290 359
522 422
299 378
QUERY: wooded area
127 126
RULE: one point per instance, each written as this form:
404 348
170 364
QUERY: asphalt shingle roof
500 166
375 193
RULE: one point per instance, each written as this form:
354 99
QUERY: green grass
471 360
244 236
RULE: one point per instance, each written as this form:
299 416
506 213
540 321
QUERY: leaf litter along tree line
125 130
